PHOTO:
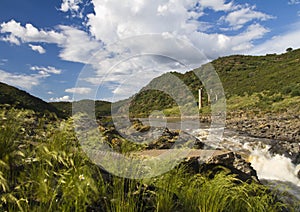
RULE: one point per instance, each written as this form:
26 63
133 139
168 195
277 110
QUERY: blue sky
72 49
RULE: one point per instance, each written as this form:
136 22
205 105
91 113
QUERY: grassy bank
42 168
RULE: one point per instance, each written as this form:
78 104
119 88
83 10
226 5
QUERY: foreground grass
42 168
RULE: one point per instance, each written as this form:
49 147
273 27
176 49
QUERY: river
277 171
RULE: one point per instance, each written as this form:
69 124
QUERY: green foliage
21 99
102 108
273 76
42 168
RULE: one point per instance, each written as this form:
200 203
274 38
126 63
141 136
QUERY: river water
277 171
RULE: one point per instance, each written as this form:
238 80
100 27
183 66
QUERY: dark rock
230 161
172 139
236 164
288 149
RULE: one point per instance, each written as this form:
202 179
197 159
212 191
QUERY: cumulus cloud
11 39
20 80
45 71
239 18
37 48
28 33
181 19
79 46
72 5
217 5
61 99
76 45
78 90
136 17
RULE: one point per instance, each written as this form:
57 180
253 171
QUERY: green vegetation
263 83
10 95
102 108
42 168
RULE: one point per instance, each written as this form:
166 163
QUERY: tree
289 49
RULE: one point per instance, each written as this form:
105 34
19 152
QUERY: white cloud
3 61
28 81
78 90
238 18
29 33
72 5
78 47
50 92
292 2
278 44
20 80
61 99
217 5
45 70
37 48
112 21
11 39
174 18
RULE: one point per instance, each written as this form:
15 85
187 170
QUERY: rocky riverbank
283 127
151 139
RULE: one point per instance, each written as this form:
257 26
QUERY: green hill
17 98
102 108
266 83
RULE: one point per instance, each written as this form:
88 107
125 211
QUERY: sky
64 50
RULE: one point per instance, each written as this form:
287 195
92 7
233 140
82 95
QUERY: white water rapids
274 167
277 171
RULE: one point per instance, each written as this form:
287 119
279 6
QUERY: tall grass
42 168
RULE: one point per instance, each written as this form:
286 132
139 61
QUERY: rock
227 160
288 149
236 164
175 139
284 127
139 126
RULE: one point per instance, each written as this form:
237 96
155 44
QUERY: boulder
288 149
228 160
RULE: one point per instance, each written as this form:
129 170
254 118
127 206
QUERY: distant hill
21 99
17 98
102 108
269 79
